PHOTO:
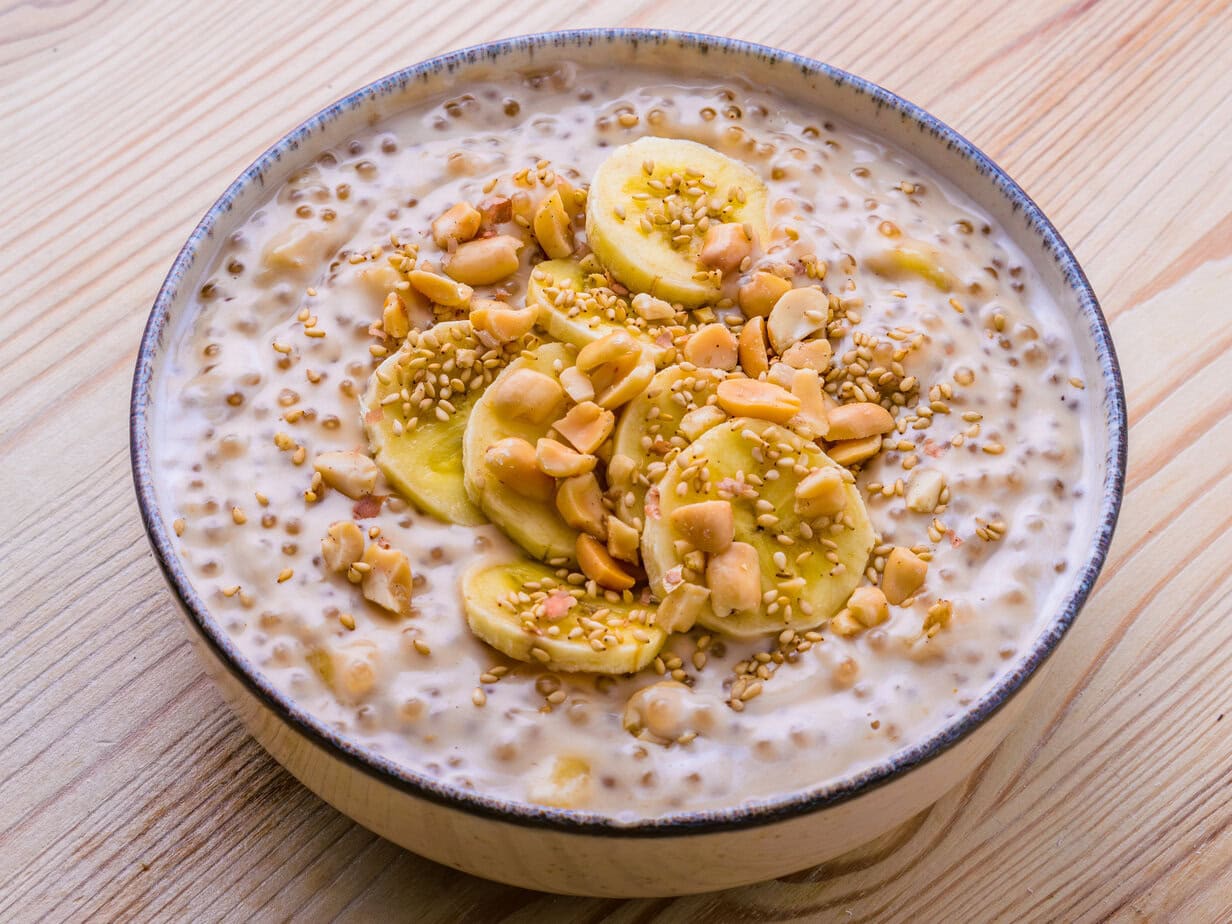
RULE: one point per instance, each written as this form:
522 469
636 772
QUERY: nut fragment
821 493
866 608
752 349
758 296
810 354
753 398
618 367
353 473
708 525
440 289
586 426
580 502
484 262
495 210
679 610
351 669
650 308
796 316
924 489
712 347
858 420
620 471
577 386
734 579
664 712
853 452
552 227
815 404
394 318
499 321
342 546
458 222
512 461
725 246
599 566
524 394
559 461
904 575
622 540
700 419
388 581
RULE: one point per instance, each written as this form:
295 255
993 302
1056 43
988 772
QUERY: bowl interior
808 83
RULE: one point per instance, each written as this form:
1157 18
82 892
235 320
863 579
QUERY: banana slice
529 518
524 610
780 528
418 446
579 308
649 433
639 193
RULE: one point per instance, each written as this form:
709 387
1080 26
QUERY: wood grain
127 791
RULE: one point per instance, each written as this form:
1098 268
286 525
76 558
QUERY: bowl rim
748 815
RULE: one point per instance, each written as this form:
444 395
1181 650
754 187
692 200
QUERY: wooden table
127 790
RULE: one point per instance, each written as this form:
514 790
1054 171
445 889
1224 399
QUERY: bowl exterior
550 849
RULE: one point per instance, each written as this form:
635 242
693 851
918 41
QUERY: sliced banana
419 446
524 610
777 519
649 432
532 523
579 308
645 196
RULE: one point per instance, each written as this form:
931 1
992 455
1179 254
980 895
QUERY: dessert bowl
577 851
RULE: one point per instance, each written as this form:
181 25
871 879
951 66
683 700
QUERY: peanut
618 367
725 246
527 395
712 347
353 473
394 318
342 546
512 461
649 308
821 493
752 348
796 316
708 525
680 608
734 579
559 461
815 404
859 420
351 669
810 354
924 489
753 398
866 607
387 582
553 228
457 223
758 296
577 386
580 502
495 210
440 289
599 566
499 321
622 540
620 471
586 426
484 262
852 452
661 712
697 421
904 575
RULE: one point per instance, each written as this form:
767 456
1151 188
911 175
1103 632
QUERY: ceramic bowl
564 851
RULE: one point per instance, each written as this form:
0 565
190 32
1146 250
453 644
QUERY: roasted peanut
712 347
441 289
395 320
577 386
708 525
620 471
524 394
758 296
599 566
815 404
821 493
559 461
734 579
866 608
622 540
586 426
796 316
342 546
353 473
725 247
512 460
810 354
697 421
924 489
457 223
499 321
752 348
580 502
679 610
649 308
484 262
852 452
388 580
858 420
618 367
904 575
753 398
553 228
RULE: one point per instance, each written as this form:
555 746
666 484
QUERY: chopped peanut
458 223
852 452
622 540
810 354
904 575
734 579
753 398
586 426
680 608
752 348
859 420
387 583
484 262
758 296
924 489
620 471
394 318
599 566
618 367
495 210
796 316
351 669
441 289
725 246
866 608
553 228
712 347
815 404
577 386
527 395
580 502
353 473
700 419
821 493
512 461
649 308
342 546
559 461
709 525
499 321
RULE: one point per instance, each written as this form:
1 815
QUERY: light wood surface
127 790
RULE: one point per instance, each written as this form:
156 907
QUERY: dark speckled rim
747 816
